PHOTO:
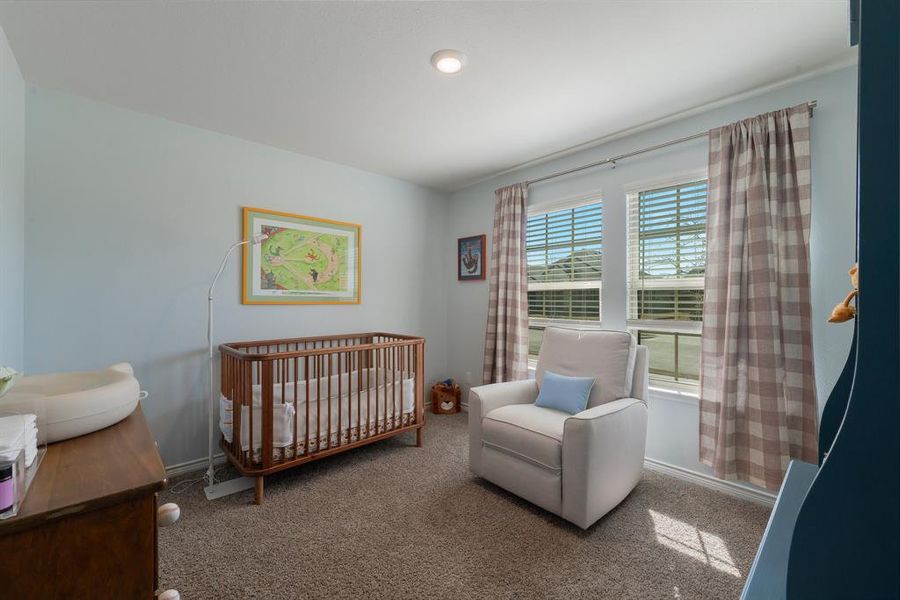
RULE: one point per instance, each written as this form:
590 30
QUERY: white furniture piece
576 466
76 403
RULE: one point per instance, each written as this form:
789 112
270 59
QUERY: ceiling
352 82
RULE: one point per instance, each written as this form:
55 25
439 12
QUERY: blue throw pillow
568 394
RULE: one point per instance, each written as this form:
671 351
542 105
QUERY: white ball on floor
166 515
169 595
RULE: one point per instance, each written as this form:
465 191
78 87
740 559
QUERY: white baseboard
714 483
193 465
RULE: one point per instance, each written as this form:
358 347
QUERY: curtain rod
613 159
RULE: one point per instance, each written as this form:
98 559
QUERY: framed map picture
470 258
303 260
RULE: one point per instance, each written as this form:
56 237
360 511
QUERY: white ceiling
352 82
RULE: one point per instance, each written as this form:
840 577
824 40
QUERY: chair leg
419 442
258 497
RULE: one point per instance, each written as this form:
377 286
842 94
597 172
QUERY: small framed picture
470 258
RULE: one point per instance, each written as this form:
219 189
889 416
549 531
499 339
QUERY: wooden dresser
87 528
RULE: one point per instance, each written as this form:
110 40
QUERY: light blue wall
12 208
673 424
128 216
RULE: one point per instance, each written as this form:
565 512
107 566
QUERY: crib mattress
385 401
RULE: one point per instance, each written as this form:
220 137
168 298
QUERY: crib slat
394 361
408 373
250 420
380 381
296 385
388 366
420 385
393 354
386 358
395 357
248 401
237 412
359 421
232 395
318 402
229 393
403 378
366 368
268 388
223 391
223 374
398 377
328 400
340 424
377 387
307 431
414 372
235 373
282 375
398 367
237 409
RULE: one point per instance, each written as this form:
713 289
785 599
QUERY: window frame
569 203
635 326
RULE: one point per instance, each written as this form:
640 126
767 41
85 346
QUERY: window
666 265
564 268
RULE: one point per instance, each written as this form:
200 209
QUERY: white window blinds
667 253
666 265
564 252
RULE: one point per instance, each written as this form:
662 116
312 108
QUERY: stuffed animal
843 311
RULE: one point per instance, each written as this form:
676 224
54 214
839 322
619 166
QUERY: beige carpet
395 521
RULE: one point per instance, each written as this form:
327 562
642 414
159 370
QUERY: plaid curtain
506 338
757 387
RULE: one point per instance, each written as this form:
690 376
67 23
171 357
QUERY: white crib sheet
379 397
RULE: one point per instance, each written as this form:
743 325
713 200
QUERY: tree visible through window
667 263
564 253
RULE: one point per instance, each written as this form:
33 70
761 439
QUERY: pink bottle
7 487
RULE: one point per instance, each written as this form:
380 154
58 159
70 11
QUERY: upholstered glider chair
576 466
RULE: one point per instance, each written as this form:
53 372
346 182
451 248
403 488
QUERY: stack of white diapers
18 432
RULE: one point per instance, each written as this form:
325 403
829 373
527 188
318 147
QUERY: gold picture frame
302 260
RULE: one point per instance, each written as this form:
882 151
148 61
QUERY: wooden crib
303 399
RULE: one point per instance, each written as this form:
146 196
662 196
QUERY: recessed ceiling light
448 61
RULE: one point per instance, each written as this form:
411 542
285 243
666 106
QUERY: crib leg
419 442
258 498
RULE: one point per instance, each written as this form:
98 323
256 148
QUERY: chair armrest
485 398
602 457
604 410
